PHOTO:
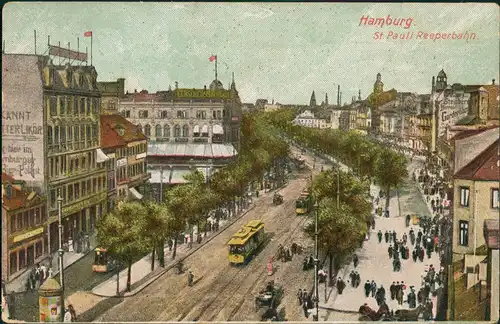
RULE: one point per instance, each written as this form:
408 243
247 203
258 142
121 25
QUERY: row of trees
133 229
344 206
367 158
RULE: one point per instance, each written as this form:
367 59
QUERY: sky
280 51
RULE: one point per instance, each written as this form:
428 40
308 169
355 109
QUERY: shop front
25 250
78 218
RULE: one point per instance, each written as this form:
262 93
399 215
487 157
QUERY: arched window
185 131
166 131
158 131
196 131
147 130
204 131
50 139
139 128
177 131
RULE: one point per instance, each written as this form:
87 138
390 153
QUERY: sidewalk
19 284
141 270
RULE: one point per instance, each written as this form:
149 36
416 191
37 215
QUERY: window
177 131
185 131
70 193
181 114
70 133
164 114
463 234
75 106
82 106
22 259
84 188
494 198
12 223
50 139
147 130
77 190
139 128
62 106
82 132
219 114
89 104
143 114
201 114
89 134
464 196
214 114
69 105
63 134
19 219
13 262
38 249
158 130
53 106
32 218
77 133
94 131
126 114
166 131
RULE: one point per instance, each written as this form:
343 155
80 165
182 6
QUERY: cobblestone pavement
374 261
220 290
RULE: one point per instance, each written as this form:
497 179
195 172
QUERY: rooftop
117 131
203 150
20 197
491 230
484 167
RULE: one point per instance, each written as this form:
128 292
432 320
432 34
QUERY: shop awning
135 193
101 156
177 176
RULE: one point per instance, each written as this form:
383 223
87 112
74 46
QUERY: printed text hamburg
406 23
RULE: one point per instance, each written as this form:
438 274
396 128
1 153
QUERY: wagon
270 298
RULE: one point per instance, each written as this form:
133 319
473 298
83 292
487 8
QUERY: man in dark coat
407 252
390 251
340 285
373 287
407 220
392 289
367 288
421 255
299 296
357 279
386 236
379 235
412 303
352 275
415 254
355 260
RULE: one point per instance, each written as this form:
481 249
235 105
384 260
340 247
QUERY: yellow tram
100 260
303 204
245 242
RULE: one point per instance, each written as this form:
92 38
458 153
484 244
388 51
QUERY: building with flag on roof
50 135
186 128
24 228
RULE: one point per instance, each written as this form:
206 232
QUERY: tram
244 243
100 260
303 204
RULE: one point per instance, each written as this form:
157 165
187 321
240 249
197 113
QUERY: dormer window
8 191
120 130
81 79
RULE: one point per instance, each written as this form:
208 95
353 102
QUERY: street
222 292
77 277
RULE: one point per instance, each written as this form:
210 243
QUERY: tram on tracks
244 243
303 204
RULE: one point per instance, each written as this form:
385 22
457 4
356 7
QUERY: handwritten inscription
22 150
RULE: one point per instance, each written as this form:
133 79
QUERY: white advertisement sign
451 109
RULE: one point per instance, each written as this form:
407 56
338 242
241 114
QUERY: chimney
493 82
135 90
205 87
340 99
176 84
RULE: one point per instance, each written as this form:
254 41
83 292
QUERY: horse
409 314
368 314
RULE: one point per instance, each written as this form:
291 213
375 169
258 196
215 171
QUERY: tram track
170 299
225 303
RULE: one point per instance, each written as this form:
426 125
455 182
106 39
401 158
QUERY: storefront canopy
199 150
135 194
101 156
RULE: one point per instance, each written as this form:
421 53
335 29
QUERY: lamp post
316 263
61 251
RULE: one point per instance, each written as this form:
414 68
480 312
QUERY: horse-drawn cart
269 298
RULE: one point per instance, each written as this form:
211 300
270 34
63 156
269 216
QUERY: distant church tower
442 81
312 103
378 86
326 99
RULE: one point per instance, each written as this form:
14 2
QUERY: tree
155 229
390 171
121 233
339 234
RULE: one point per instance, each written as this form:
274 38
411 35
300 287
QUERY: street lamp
61 252
316 263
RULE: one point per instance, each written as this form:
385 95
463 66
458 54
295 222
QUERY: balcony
139 179
181 139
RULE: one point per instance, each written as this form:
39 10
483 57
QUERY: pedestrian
399 296
415 255
355 260
407 252
373 287
299 296
50 273
392 290
358 279
305 264
394 236
379 235
304 306
367 288
407 220
386 236
421 255
352 275
405 239
390 250
340 285
412 299
43 273
38 276
190 278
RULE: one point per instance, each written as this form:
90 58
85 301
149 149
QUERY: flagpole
86 54
91 36
78 47
215 67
